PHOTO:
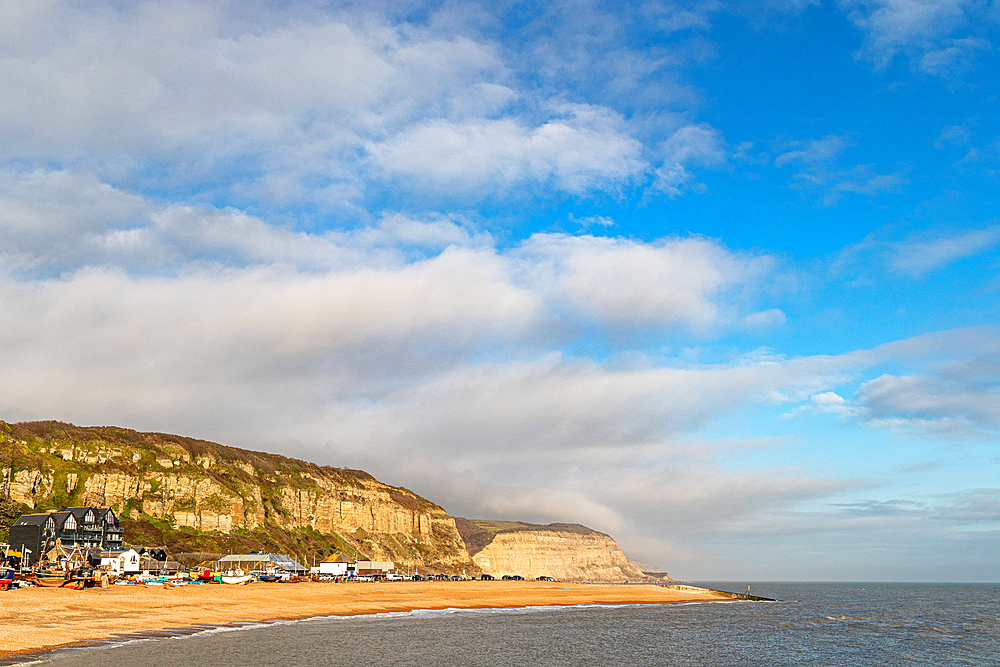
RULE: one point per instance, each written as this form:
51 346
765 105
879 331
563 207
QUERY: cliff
201 496
563 551
199 499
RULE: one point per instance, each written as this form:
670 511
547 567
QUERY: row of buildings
97 531
88 528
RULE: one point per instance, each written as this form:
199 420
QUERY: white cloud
834 184
692 145
52 222
952 391
587 149
862 181
821 169
671 17
953 135
591 220
811 152
918 257
827 401
625 283
277 106
958 56
765 318
58 222
217 299
961 400
924 29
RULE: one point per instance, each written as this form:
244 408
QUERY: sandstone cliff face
567 552
202 486
211 487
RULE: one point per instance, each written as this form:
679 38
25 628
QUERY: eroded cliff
567 552
199 487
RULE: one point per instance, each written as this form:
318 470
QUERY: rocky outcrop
211 487
653 571
567 552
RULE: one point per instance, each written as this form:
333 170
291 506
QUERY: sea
878 624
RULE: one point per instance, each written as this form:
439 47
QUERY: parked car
419 577
517 577
487 577
544 578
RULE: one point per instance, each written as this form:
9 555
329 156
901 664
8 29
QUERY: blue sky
719 279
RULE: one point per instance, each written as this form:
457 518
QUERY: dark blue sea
810 624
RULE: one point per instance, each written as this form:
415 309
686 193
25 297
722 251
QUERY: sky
719 279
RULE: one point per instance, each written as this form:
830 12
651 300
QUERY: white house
121 562
336 565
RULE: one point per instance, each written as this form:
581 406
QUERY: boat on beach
10 563
52 580
6 578
237 580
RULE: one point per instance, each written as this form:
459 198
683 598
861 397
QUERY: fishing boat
6 578
52 580
9 565
236 580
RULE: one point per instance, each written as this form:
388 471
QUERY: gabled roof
81 512
59 518
113 553
338 558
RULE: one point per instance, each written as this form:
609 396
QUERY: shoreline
36 621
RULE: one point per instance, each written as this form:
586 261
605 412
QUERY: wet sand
39 618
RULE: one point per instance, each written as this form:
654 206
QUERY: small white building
337 565
121 562
374 567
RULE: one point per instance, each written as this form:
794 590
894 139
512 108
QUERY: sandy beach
40 618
